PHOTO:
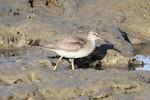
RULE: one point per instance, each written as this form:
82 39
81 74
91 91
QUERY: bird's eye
96 34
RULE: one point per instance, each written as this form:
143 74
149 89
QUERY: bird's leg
72 63
55 67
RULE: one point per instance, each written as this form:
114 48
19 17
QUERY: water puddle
146 61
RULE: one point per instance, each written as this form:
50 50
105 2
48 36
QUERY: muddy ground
25 70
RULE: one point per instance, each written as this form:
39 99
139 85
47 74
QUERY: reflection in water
146 60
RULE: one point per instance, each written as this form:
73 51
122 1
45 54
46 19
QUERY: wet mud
25 68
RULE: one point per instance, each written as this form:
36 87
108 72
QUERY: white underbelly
78 54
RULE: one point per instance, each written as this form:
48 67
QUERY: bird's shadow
94 59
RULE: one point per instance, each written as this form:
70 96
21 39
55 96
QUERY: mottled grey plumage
70 44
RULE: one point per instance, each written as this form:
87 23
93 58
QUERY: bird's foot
54 68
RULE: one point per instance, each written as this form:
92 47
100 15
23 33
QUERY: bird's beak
99 37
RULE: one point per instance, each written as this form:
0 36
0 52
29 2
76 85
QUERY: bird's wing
70 44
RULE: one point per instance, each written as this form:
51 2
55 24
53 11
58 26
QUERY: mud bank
81 84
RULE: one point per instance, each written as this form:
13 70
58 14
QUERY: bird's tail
50 46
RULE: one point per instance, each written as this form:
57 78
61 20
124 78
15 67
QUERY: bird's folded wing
70 44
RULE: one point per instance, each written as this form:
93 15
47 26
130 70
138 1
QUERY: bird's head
94 35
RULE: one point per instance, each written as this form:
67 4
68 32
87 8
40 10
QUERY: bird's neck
91 39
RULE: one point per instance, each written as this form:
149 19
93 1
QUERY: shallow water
146 61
